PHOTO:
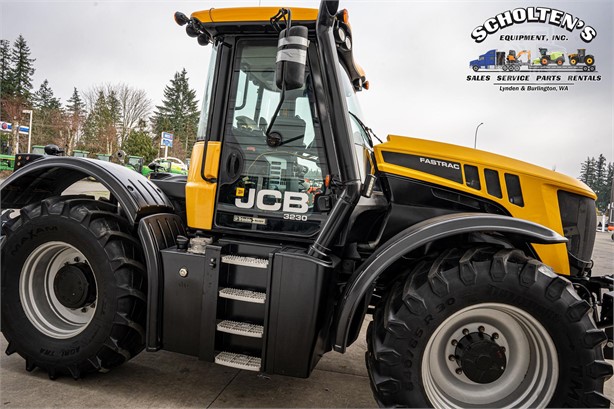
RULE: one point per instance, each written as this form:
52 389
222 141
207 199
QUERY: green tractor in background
557 57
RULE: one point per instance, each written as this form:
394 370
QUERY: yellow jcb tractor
581 57
476 268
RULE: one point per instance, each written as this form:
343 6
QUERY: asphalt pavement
165 379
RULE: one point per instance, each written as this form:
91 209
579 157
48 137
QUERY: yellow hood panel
476 157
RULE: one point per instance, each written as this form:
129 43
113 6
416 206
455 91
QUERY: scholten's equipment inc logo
547 15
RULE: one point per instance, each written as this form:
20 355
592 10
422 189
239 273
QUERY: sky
416 55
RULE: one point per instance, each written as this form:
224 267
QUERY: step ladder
240 333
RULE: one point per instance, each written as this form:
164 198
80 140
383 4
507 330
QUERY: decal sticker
434 166
240 192
274 200
541 50
247 219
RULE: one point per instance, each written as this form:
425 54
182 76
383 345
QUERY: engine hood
444 164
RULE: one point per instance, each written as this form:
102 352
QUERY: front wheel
73 288
485 327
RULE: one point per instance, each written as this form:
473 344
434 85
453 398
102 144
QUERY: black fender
50 176
141 200
157 232
418 235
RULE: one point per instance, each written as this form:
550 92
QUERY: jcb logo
294 202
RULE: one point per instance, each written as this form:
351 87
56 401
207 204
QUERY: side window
361 147
269 182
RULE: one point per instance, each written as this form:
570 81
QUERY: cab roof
251 14
236 20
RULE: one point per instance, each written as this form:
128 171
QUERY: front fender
416 236
50 176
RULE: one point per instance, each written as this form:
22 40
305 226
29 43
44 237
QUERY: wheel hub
482 360
74 285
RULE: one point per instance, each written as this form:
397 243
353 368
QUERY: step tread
243 295
245 261
241 328
240 361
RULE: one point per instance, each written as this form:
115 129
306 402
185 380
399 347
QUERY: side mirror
54 150
154 166
291 58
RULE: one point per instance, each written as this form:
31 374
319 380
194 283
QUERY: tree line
598 175
102 119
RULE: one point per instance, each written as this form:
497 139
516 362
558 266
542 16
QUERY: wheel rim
530 374
58 291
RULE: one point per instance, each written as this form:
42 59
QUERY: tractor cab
266 159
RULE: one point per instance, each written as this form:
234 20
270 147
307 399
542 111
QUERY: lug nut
503 349
465 331
77 259
495 335
454 342
459 371
481 328
452 357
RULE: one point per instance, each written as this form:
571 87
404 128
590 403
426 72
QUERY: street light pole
475 141
29 111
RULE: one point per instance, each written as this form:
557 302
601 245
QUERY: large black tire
73 287
475 327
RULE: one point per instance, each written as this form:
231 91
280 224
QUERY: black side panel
173 186
157 232
413 201
300 313
50 176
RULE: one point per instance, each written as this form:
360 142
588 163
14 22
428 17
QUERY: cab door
269 182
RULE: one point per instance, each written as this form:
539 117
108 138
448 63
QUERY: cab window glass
264 185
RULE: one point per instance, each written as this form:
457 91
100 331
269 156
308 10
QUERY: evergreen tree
178 114
48 120
597 174
5 69
588 171
75 115
93 126
140 143
100 128
22 69
43 99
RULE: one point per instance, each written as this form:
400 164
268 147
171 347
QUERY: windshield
204 112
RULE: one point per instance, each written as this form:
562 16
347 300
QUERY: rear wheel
560 61
73 289
485 328
589 60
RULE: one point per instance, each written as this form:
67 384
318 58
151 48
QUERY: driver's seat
292 131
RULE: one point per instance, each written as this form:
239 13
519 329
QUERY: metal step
245 261
241 328
243 295
240 361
